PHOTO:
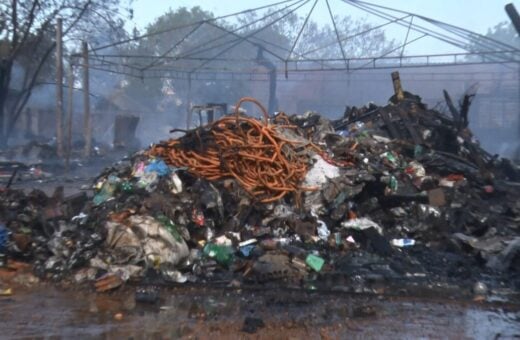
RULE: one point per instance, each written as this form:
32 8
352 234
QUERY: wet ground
48 311
77 180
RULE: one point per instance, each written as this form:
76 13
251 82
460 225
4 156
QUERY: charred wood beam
464 109
408 124
392 129
454 112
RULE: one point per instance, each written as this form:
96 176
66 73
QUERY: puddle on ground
47 311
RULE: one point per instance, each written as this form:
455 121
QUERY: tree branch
78 18
25 98
14 19
27 30
18 110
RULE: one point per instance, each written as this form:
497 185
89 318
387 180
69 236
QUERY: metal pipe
59 88
261 60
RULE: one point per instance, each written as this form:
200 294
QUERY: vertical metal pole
86 102
59 88
261 60
272 91
70 82
188 104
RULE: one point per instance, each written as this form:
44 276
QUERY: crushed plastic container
148 181
107 191
315 262
245 251
158 166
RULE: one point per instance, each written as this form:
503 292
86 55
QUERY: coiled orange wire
260 159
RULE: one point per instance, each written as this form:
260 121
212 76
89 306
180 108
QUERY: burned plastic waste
385 194
42 230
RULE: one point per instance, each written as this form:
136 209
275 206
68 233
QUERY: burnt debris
390 195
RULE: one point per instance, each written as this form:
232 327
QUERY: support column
86 102
59 88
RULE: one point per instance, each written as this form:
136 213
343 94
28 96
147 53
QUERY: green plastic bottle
222 254
394 184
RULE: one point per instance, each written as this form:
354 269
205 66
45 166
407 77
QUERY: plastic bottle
403 242
393 183
222 254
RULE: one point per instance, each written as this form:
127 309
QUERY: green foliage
504 32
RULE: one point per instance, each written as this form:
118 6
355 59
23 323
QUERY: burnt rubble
396 195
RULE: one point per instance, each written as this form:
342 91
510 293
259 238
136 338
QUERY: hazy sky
475 15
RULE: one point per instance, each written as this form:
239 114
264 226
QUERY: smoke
494 114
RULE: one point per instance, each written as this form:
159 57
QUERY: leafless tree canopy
27 42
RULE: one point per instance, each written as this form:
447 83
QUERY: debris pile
265 160
389 194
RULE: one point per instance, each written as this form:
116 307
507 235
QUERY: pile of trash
385 194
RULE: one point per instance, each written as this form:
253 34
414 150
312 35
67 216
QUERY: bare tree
27 41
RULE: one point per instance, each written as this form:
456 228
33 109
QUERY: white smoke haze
493 116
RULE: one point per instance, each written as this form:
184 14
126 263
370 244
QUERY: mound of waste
390 194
